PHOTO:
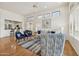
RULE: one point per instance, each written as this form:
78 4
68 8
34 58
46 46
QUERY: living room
35 17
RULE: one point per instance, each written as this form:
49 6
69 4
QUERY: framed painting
46 23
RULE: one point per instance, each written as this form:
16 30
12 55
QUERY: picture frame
46 23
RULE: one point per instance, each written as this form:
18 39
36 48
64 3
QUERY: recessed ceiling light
45 6
39 17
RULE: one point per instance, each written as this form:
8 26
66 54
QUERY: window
56 13
74 23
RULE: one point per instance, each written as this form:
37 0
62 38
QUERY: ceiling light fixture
34 6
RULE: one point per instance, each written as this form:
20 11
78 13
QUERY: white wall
4 14
61 20
74 32
75 44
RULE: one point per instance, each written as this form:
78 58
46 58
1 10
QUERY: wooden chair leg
24 39
16 40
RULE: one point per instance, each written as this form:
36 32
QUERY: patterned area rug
32 45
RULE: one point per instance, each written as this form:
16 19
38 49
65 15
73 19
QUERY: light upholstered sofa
52 44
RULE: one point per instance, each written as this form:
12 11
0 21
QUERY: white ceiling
25 8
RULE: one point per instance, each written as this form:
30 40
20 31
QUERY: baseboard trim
73 47
4 37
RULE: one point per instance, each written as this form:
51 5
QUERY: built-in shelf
9 24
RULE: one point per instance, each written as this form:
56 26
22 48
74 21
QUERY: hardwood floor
9 47
69 50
